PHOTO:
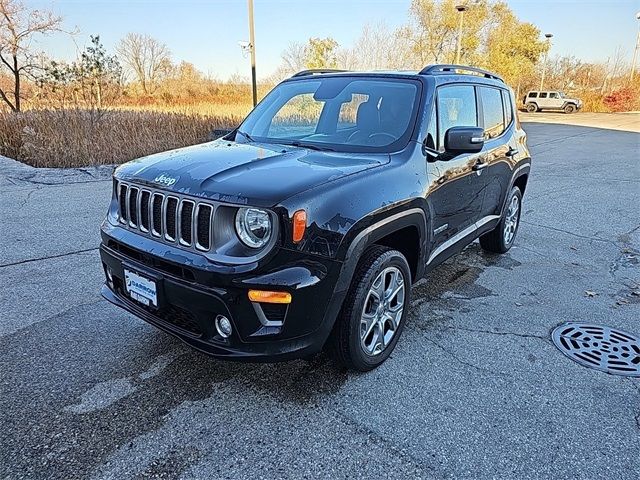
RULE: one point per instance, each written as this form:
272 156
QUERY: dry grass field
75 137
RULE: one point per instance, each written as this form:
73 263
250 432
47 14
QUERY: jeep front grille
186 221
171 209
133 206
156 214
144 212
122 201
168 217
203 220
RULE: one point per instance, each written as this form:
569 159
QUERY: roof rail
316 71
451 68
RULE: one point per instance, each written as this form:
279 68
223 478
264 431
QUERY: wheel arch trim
368 236
523 169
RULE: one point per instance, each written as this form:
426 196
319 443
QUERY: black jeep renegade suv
307 225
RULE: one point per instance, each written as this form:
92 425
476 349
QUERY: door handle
480 165
512 152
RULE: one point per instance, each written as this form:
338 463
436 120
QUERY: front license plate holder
141 287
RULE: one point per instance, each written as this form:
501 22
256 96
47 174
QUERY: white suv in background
536 101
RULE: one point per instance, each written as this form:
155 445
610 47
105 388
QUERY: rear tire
501 238
531 107
569 109
374 312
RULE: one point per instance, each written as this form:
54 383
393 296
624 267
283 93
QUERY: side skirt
459 241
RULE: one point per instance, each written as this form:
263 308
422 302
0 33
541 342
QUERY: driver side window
297 118
456 107
349 110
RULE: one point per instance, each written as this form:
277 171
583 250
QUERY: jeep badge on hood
165 180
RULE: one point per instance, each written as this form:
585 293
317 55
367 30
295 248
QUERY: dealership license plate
141 289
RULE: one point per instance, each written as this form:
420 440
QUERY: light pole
548 36
252 47
635 51
460 8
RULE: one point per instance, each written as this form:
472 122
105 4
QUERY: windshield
336 113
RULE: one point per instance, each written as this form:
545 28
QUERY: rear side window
456 108
533 95
508 108
492 112
543 95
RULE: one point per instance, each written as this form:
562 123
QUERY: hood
251 174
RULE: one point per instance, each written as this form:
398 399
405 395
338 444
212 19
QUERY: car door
496 118
555 101
543 100
455 190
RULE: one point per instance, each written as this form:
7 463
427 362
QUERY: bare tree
314 53
377 48
618 67
562 72
294 58
18 27
147 58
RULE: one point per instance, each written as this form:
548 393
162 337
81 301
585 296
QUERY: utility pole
461 8
252 47
635 51
548 36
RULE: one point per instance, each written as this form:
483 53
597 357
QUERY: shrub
592 101
623 100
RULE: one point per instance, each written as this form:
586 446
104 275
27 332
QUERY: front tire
374 311
569 109
501 238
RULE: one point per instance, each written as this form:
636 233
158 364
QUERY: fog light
109 277
223 326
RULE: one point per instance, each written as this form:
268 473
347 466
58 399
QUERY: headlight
253 227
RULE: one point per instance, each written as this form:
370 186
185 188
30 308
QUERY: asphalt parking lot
474 389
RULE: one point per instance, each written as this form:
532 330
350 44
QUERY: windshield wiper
310 146
245 135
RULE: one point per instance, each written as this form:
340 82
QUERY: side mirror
459 140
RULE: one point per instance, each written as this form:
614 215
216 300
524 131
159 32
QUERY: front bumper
190 298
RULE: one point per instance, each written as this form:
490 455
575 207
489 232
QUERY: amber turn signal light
299 225
263 296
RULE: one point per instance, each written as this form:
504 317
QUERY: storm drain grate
600 347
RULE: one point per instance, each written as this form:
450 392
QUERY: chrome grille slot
144 210
203 226
133 206
186 222
122 204
170 213
156 214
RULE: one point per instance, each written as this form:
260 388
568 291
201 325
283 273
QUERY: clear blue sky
206 33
